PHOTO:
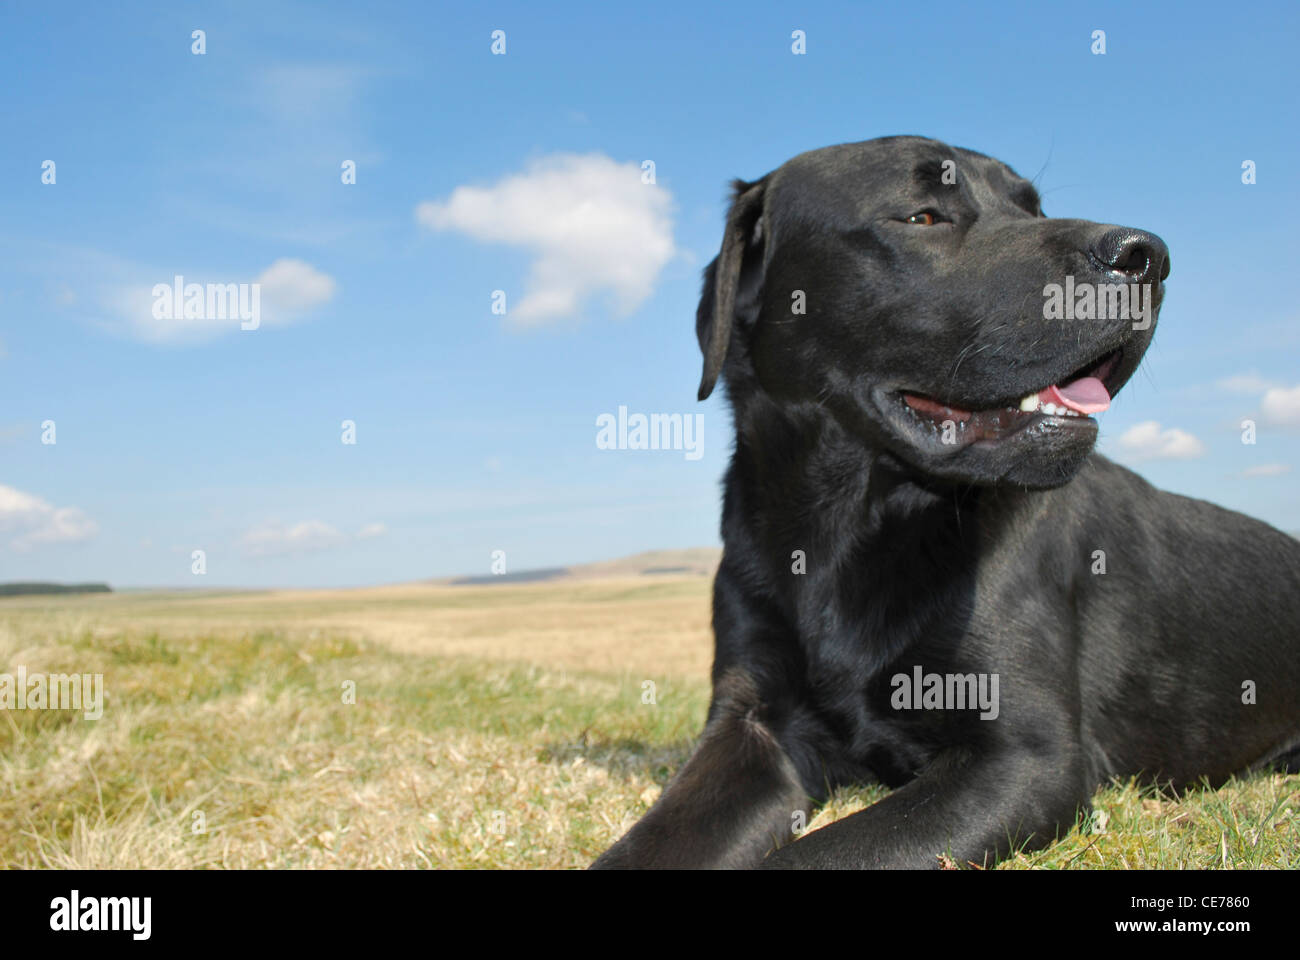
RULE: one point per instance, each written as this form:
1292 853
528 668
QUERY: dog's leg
970 810
730 804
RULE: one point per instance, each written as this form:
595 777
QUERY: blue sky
476 432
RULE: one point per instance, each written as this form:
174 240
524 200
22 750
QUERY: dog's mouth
1072 402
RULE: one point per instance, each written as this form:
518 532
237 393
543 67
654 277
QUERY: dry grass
647 626
492 727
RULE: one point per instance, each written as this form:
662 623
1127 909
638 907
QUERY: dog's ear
739 265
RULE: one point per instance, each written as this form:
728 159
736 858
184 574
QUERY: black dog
929 579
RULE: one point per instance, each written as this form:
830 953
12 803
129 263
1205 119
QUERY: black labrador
929 578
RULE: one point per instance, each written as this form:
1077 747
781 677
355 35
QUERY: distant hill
691 562
29 589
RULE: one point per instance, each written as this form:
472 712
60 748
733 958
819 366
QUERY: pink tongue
1085 395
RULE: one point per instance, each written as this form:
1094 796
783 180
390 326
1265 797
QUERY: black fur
974 559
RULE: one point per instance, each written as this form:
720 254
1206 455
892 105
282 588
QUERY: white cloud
309 536
590 222
1147 441
1267 470
1245 383
273 539
30 521
286 290
307 95
1281 406
292 286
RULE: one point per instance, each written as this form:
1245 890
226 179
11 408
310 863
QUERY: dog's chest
878 682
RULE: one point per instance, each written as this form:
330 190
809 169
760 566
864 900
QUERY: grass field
499 726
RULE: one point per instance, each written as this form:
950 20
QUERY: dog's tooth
1030 403
1049 409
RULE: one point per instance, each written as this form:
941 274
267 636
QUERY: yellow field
491 726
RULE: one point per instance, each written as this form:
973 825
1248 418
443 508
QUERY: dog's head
916 293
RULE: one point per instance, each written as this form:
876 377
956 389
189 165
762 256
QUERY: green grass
442 761
435 757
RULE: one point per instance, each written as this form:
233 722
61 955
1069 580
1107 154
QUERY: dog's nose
1141 256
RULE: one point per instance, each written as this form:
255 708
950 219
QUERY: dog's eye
926 218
